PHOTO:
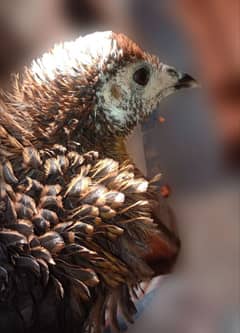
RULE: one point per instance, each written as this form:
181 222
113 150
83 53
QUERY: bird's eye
141 76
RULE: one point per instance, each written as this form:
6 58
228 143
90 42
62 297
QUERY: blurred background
193 139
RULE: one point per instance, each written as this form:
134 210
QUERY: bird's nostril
172 72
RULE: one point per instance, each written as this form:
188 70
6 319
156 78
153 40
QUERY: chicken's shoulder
13 135
72 226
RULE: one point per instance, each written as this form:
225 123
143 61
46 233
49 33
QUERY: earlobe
116 91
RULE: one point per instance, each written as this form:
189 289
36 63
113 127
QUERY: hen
78 223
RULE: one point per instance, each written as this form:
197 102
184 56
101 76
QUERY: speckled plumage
78 229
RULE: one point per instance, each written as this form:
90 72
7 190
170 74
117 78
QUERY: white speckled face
125 83
134 91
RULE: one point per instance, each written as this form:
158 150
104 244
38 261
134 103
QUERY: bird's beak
168 80
175 79
185 80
